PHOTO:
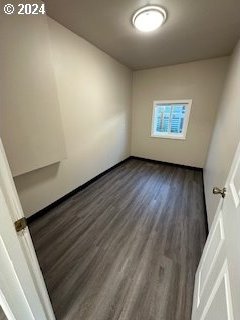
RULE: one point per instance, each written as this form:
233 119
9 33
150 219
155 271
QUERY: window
170 119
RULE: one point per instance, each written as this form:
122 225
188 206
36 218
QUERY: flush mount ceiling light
149 18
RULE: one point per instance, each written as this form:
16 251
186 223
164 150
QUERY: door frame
16 213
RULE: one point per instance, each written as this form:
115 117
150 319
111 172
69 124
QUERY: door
217 283
23 294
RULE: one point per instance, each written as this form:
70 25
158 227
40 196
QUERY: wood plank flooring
2 314
127 247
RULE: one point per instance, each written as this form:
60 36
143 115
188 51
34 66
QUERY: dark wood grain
2 314
127 247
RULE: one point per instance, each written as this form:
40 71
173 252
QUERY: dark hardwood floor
2 314
126 247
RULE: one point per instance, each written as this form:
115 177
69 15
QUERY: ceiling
194 30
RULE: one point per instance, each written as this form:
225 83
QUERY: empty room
119 160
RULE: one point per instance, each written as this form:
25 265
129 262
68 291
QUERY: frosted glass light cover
149 18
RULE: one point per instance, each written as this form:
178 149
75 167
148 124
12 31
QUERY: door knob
222 192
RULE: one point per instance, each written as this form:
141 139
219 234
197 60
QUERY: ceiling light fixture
149 18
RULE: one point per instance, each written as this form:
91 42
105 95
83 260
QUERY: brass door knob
222 192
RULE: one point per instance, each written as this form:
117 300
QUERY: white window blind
170 119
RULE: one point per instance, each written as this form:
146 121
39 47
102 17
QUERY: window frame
182 136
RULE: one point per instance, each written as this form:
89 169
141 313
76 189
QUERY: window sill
174 137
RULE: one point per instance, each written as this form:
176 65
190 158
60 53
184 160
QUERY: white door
217 284
23 294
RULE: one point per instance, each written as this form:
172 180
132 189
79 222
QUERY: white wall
200 81
94 93
226 136
27 93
